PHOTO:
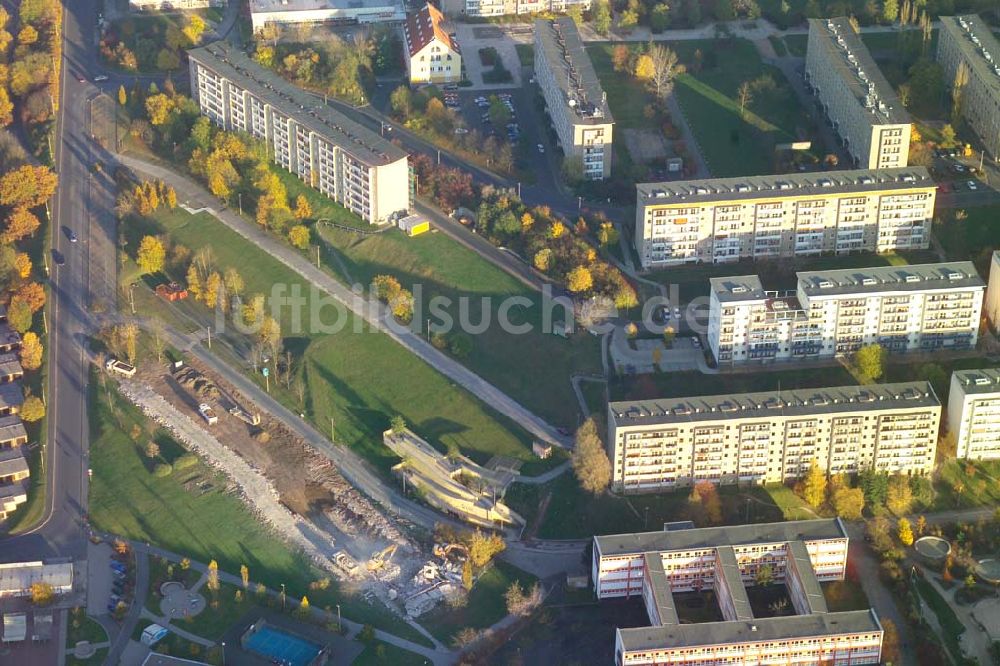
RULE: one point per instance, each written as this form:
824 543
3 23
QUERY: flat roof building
974 413
969 54
855 96
766 217
800 554
347 162
772 436
573 96
16 578
922 307
484 8
432 56
285 12
170 5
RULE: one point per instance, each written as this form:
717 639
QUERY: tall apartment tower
924 307
349 163
967 45
861 104
974 413
574 97
772 437
720 220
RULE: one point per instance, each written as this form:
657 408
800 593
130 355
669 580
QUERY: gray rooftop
738 288
12 462
753 631
8 335
962 29
978 380
663 412
572 69
259 6
879 279
823 183
663 598
234 65
713 537
843 50
11 395
802 566
11 428
729 568
10 365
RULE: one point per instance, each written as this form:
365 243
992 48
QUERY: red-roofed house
432 56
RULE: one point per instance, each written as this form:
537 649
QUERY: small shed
542 449
675 164
414 225
171 292
152 634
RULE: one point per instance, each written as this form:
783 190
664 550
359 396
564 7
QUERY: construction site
297 490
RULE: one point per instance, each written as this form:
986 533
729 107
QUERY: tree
814 485
665 69
890 10
21 223
579 280
397 424
42 594
899 496
644 67
151 256
711 503
590 461
543 259
152 450
890 642
620 57
245 576
158 108
627 20
905 533
601 17
659 18
607 234
467 579
27 186
764 575
302 208
921 525
33 409
185 563
122 95
31 351
213 576
401 101
194 28
948 137
303 609
167 60
745 96
19 316
870 361
233 281
483 548
520 603
848 503
298 236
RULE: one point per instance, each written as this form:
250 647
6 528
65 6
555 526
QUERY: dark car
57 258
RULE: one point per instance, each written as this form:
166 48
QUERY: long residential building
974 413
916 308
485 8
573 96
860 103
172 5
966 44
801 555
335 12
766 217
772 437
342 159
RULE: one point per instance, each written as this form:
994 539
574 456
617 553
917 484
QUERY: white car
101 77
972 185
541 148
677 313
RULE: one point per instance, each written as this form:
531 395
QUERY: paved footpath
377 316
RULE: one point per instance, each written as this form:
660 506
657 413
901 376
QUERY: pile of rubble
436 581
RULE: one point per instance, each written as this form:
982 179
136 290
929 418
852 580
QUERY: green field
486 604
359 380
127 500
973 237
79 627
379 654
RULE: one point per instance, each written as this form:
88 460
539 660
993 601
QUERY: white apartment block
485 8
172 5
916 308
574 97
801 555
860 103
345 161
974 413
992 305
334 12
772 437
968 40
767 217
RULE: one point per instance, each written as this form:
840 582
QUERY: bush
460 345
185 461
163 470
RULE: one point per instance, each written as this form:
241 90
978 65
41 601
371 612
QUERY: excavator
444 551
381 558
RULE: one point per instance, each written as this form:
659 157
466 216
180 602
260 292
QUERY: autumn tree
664 69
213 576
579 280
31 351
245 576
848 502
620 57
298 236
302 208
905 532
644 67
19 316
27 186
764 575
483 547
870 361
744 94
899 496
122 95
33 409
152 450
891 653
521 603
21 223
590 460
814 485
151 256
42 594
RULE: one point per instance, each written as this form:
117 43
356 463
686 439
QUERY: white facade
974 413
486 8
170 5
288 12
345 161
432 56
667 443
16 578
968 42
916 308
992 305
861 104
766 217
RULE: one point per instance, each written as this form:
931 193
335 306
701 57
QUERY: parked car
972 185
461 130
101 77
540 147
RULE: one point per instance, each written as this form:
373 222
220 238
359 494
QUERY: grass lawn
94 660
845 595
126 499
970 234
962 483
792 506
951 626
342 369
385 653
526 54
797 44
778 45
213 622
486 604
79 627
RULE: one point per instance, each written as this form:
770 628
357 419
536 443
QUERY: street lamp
282 597
223 653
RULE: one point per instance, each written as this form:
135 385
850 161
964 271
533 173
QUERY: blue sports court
284 648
